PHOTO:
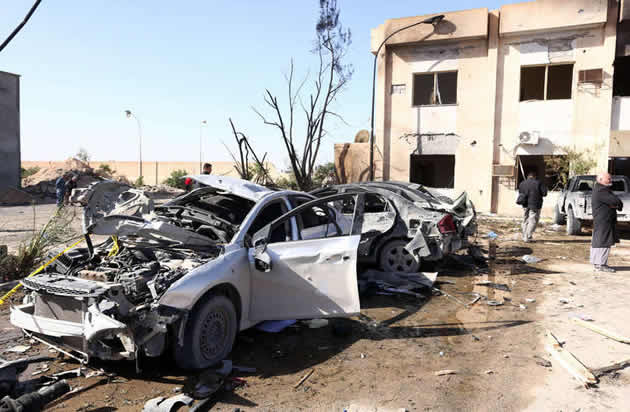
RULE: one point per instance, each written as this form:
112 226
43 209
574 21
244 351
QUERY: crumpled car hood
112 208
243 188
109 197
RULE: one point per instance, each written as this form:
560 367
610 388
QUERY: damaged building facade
474 101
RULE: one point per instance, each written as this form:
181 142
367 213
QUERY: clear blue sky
175 64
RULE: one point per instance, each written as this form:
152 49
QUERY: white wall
552 119
620 113
436 119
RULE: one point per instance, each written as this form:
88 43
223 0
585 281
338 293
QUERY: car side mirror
262 261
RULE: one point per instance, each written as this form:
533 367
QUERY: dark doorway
621 79
433 170
619 166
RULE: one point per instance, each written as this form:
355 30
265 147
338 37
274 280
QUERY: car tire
209 334
558 217
395 258
574 225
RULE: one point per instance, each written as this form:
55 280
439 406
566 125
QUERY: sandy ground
389 359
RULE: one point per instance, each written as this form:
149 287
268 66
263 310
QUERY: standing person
207 168
531 193
60 188
70 185
605 205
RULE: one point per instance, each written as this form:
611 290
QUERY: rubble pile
42 183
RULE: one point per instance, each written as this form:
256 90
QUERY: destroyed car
405 223
185 276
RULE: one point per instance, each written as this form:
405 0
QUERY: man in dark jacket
605 205
532 192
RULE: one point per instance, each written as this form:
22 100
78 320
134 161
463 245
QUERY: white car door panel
308 279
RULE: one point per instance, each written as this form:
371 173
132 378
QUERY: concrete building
9 130
484 95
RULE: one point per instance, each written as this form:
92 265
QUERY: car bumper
99 335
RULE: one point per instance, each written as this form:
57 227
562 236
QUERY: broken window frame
546 80
435 97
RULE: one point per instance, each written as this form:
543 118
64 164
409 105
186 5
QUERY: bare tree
331 45
257 171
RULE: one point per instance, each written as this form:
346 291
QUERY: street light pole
203 123
435 20
130 115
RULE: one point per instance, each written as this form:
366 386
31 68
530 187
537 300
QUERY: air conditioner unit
530 137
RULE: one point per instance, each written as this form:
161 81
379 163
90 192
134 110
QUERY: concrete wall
9 130
551 15
154 172
459 25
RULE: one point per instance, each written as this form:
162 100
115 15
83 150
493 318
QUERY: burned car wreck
185 276
406 223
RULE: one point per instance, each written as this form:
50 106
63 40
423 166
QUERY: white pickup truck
574 204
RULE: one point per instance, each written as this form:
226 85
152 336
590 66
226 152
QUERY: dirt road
390 358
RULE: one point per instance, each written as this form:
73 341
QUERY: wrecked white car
186 276
405 223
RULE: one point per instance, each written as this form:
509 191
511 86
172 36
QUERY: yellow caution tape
115 248
39 269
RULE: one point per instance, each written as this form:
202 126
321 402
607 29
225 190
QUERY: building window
549 82
433 170
434 88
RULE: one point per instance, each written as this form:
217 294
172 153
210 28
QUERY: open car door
305 278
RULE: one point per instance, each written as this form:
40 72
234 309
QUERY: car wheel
573 224
209 334
395 258
558 217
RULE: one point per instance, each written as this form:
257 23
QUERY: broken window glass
435 88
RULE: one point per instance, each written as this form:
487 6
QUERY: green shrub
26 173
105 170
139 181
176 179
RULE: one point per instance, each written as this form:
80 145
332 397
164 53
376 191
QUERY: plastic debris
18 349
563 300
494 303
585 318
530 259
492 235
489 372
547 283
499 286
523 307
446 372
275 326
530 300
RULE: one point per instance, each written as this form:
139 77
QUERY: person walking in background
207 168
605 205
70 185
530 195
60 188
